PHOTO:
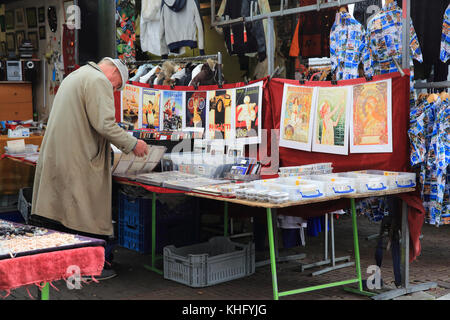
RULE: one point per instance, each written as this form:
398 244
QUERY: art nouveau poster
150 108
248 113
221 124
130 105
172 110
332 120
297 117
196 111
371 128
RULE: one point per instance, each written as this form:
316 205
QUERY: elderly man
72 186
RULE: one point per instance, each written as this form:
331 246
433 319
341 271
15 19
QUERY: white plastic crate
335 185
209 263
365 183
395 179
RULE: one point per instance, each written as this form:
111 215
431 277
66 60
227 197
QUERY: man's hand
141 148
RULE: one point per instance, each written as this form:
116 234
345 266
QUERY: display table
14 175
270 208
42 266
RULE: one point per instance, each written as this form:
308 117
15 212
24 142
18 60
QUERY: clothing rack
217 57
317 7
432 85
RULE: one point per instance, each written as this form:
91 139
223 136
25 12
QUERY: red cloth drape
398 160
51 266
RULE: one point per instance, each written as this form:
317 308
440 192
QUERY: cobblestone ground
134 282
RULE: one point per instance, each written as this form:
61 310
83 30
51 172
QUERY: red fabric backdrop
398 160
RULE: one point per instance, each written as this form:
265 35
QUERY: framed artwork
297 117
20 36
332 120
31 18
41 14
150 108
2 24
33 37
42 33
371 129
131 98
20 18
172 110
196 115
221 118
248 113
9 20
11 41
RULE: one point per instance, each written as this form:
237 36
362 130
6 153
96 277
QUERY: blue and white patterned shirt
384 33
445 40
348 47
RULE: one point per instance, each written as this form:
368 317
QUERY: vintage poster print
150 108
131 97
297 117
248 113
331 124
221 123
371 129
172 110
196 110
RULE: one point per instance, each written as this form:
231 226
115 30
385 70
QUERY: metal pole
406 21
405 246
326 236
333 259
270 47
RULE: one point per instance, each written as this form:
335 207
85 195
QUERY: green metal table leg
273 262
225 219
45 292
357 257
152 267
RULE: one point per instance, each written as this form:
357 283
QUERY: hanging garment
427 18
365 9
142 70
145 78
314 29
384 32
149 24
429 134
445 39
348 48
182 28
206 76
241 39
125 25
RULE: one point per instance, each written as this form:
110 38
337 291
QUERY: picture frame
32 21
19 18
42 33
41 14
9 20
34 38
20 36
10 41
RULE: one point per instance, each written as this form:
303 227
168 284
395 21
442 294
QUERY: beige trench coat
73 179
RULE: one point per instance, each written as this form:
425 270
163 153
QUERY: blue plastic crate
173 227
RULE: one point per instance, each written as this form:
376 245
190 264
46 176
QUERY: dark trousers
42 222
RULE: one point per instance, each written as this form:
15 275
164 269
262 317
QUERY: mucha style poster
332 121
297 117
131 111
371 129
221 124
196 107
172 110
248 113
150 108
